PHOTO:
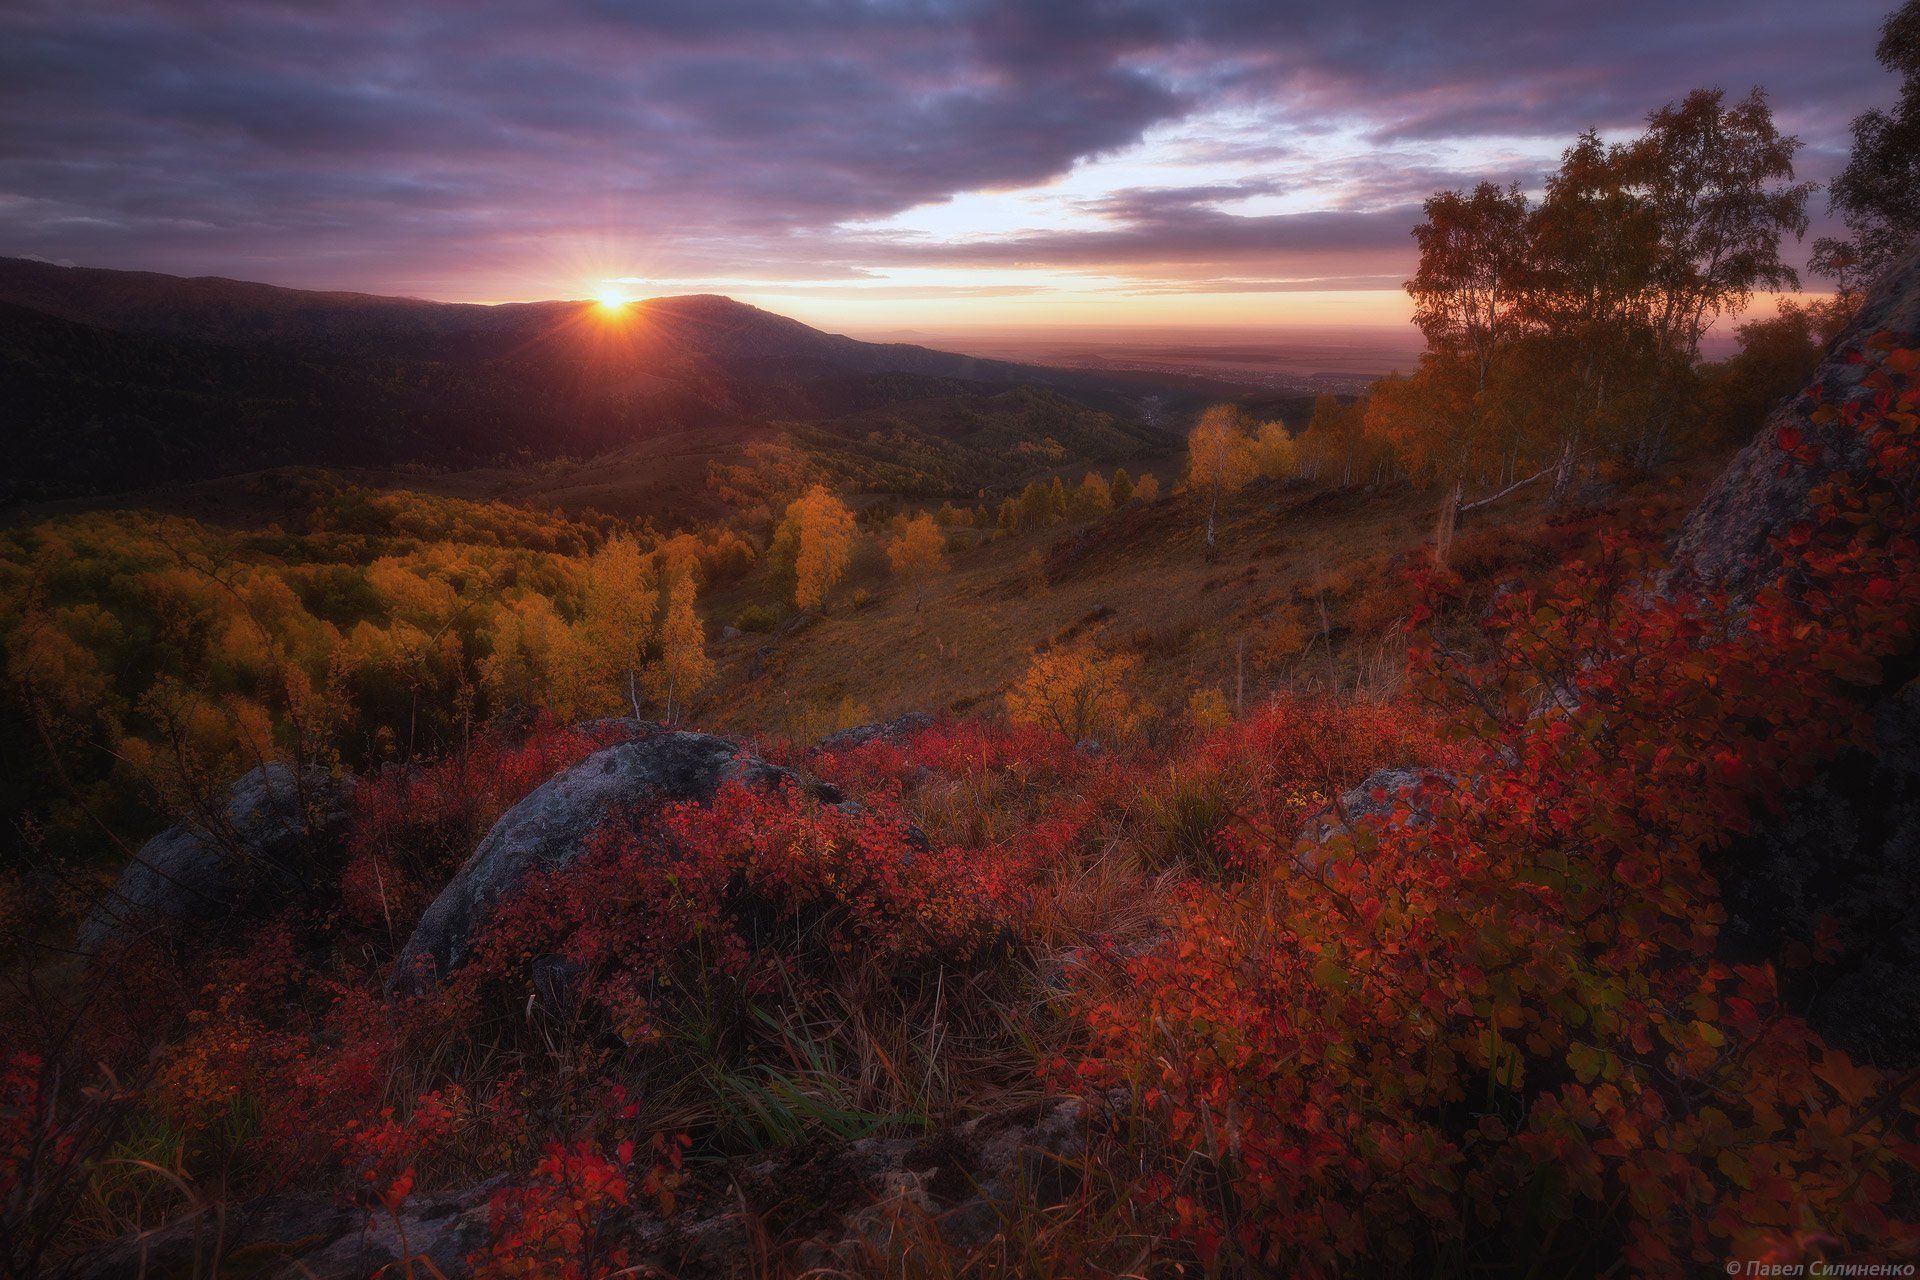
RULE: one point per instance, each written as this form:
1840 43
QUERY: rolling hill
124 380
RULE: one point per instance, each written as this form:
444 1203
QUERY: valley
1304 360
1301 660
121 378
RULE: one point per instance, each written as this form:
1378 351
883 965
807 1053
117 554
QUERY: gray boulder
444 1230
549 828
272 836
302 1238
897 729
1842 852
1725 542
1371 803
965 1179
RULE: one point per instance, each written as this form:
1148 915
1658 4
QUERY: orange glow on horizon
949 312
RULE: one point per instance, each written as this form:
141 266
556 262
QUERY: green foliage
757 619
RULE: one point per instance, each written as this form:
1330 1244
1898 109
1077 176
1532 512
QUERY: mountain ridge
205 307
125 379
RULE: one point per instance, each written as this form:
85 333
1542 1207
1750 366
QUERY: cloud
1291 284
1149 230
473 149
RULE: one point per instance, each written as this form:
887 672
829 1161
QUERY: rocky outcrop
838 1203
1370 803
898 729
1725 542
841 1203
300 1238
1841 856
273 836
549 828
965 1179
1838 867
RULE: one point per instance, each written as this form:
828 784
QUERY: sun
612 298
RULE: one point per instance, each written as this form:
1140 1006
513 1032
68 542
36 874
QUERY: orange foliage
918 549
1077 691
815 540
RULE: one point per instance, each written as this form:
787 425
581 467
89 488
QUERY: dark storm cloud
1447 68
399 145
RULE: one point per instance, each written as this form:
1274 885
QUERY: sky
869 165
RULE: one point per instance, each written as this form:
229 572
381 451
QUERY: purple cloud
440 147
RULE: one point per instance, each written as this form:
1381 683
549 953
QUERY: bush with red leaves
749 885
1498 1039
414 827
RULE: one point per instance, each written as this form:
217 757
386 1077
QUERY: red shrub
1290 758
414 827
964 751
555 1225
751 879
381 1155
1498 1036
21 1118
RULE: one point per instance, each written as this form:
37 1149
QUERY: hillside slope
704 330
127 379
1308 588
1625 892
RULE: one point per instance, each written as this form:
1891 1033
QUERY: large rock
838 1202
1725 542
549 829
964 1181
304 1238
898 729
1371 803
1841 857
272 837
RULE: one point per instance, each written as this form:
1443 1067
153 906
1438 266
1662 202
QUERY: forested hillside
917 819
123 380
774 1015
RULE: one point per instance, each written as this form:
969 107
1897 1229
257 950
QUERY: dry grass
1303 594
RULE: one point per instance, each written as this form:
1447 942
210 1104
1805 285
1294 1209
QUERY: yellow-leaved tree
536 659
617 621
814 541
917 549
1274 452
1093 498
1220 459
683 553
1334 443
684 667
1077 691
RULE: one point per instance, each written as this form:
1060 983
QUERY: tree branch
1477 503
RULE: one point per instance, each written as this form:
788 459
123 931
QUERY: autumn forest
650 786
